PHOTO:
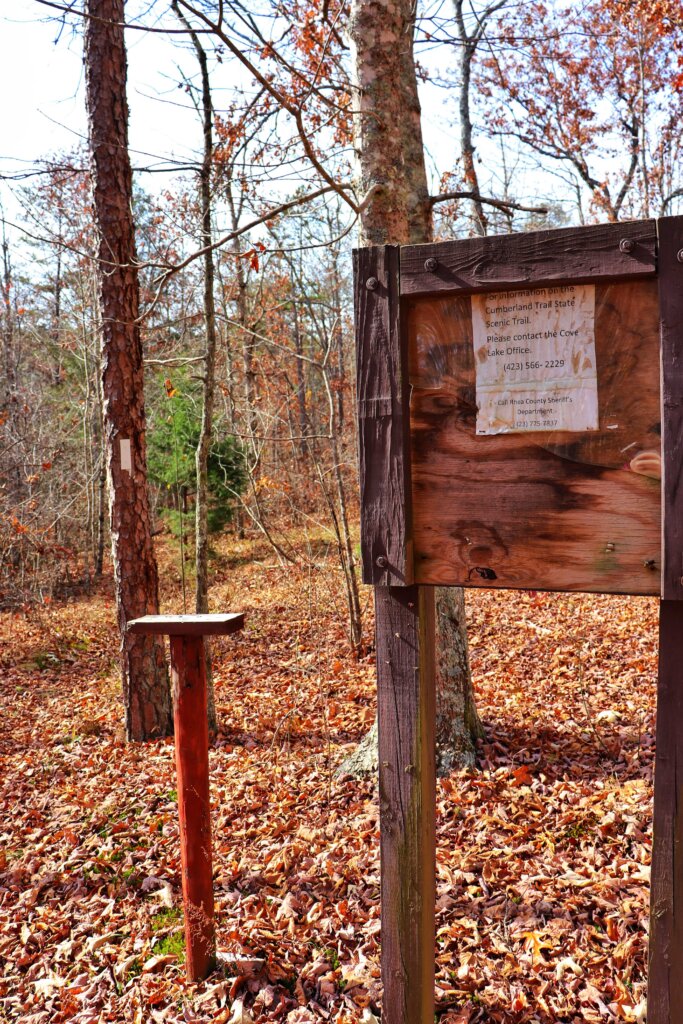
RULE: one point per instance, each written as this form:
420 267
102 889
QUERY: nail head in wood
679 255
431 264
381 561
627 245
371 284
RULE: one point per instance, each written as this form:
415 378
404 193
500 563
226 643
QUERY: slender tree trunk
208 384
466 143
145 678
468 46
248 339
229 388
10 406
9 358
342 526
300 384
387 124
55 328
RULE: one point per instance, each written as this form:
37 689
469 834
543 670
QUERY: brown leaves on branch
596 88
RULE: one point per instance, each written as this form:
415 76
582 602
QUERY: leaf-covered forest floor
543 853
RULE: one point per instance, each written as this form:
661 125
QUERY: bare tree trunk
57 309
457 721
387 124
300 384
468 46
342 528
9 400
248 338
9 360
208 383
145 678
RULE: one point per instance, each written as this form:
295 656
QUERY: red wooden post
188 673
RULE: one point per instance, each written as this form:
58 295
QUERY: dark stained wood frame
600 252
665 990
405 612
404 631
383 419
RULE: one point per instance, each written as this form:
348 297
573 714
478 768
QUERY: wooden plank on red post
665 991
383 419
188 674
405 634
188 625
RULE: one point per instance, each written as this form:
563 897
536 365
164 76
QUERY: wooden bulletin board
520 417
547 509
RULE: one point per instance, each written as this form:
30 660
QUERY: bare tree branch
476 197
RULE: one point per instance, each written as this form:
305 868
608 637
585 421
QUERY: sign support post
404 631
665 991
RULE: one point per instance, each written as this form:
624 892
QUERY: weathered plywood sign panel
562 499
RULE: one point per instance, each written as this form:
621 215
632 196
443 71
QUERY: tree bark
457 723
387 124
391 168
144 674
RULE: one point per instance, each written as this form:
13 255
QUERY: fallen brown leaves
543 854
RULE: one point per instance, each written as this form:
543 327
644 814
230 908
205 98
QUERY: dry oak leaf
156 963
522 776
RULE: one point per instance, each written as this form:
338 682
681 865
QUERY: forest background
535 116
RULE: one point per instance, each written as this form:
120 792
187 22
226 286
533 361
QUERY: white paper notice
535 360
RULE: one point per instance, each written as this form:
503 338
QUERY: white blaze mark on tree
126 460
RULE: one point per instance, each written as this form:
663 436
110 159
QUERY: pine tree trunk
145 678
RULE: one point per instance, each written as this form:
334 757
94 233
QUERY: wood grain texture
670 234
543 510
383 426
188 675
665 991
537 258
187 625
405 625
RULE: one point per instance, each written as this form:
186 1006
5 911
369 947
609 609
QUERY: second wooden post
407 795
